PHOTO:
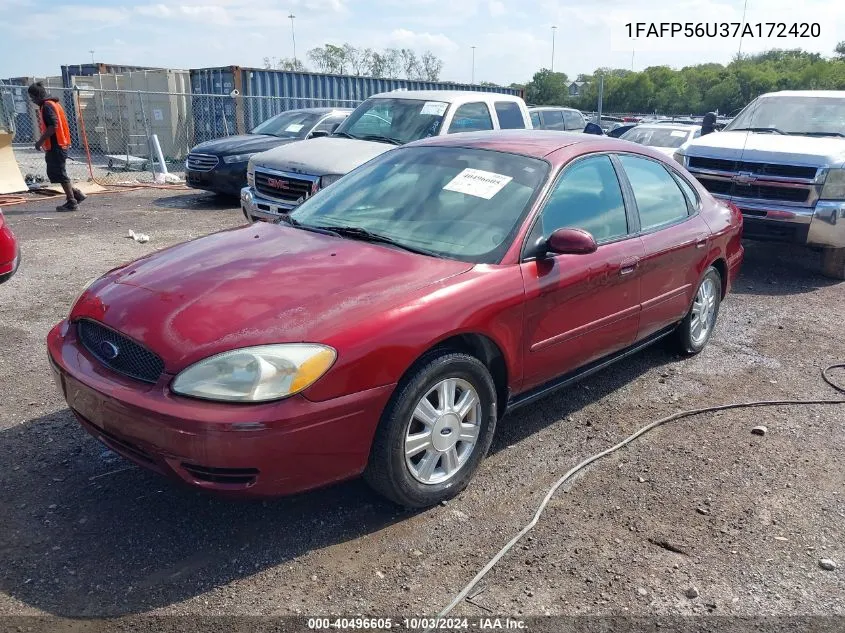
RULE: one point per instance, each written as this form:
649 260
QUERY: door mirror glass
571 242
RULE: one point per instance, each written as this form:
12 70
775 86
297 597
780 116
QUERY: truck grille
754 191
202 162
285 188
758 169
118 352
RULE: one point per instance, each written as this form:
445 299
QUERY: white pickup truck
281 178
782 162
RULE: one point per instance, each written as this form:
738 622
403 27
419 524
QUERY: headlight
325 181
679 157
256 374
238 158
834 185
250 174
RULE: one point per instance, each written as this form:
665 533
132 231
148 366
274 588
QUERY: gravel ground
702 503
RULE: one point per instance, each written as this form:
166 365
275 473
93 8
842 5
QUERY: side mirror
318 133
571 242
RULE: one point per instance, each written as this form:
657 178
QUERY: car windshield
656 136
452 202
815 116
293 124
395 121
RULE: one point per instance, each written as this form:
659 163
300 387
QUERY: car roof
322 110
830 94
533 108
450 96
662 125
535 143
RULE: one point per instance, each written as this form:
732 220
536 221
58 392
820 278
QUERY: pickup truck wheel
697 327
434 432
833 262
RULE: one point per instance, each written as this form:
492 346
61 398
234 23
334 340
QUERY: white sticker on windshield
680 133
478 183
437 108
294 127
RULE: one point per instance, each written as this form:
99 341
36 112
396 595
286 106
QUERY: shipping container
240 111
120 112
96 68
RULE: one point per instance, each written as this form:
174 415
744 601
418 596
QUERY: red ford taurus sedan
387 324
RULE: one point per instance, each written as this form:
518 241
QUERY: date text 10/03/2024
418 624
759 30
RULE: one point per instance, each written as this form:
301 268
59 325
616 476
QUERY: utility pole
745 6
293 37
554 29
472 81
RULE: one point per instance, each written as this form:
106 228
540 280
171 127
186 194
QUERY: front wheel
434 432
697 327
833 263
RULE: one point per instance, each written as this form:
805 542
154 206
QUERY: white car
664 137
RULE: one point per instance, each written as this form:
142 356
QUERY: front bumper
821 225
256 207
224 179
260 450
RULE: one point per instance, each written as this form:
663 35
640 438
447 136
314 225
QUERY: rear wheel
697 327
434 432
833 262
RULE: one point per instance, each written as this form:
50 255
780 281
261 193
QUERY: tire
689 338
439 444
833 263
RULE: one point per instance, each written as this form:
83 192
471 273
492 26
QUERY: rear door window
471 117
535 119
659 198
553 120
510 115
573 120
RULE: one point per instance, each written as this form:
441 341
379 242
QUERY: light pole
554 29
92 56
472 81
632 55
293 37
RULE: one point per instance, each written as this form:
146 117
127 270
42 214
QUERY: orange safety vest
62 127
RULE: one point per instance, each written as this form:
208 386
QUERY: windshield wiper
758 129
287 219
820 133
346 134
383 139
358 233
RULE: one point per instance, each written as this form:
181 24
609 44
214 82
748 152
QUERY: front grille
202 162
232 476
754 191
283 187
758 169
118 352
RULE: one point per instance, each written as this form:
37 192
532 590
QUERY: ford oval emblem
109 350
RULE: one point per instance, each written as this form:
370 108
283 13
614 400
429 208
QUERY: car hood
321 156
241 144
778 148
254 285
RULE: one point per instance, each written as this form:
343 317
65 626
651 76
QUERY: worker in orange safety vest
55 142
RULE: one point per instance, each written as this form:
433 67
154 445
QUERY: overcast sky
513 38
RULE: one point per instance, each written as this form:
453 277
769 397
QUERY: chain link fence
129 137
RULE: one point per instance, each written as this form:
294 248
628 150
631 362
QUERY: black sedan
220 165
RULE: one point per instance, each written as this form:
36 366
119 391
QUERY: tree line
390 63
693 89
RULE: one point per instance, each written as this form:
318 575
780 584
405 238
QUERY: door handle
701 242
629 266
